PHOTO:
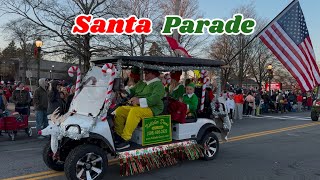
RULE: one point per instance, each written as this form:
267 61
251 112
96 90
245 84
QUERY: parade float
82 141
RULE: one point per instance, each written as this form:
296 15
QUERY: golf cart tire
207 139
47 158
314 116
78 153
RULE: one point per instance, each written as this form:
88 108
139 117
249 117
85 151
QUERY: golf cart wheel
28 131
86 162
49 161
314 116
210 144
12 135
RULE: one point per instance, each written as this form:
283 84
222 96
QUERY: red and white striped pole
72 70
204 75
112 72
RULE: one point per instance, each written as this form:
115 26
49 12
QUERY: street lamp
38 45
270 76
50 74
52 71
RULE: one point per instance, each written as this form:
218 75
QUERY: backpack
177 110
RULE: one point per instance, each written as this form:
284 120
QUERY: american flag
288 39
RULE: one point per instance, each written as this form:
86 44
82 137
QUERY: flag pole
175 34
285 9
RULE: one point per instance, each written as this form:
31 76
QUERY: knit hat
176 75
191 85
135 73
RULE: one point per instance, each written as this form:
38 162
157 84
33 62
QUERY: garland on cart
145 159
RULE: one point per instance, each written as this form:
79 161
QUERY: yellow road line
252 135
31 175
48 174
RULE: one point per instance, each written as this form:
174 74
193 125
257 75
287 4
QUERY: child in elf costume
191 100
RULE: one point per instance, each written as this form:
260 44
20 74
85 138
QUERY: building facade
12 69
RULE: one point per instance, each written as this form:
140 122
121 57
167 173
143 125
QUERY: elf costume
150 100
191 100
137 88
177 92
139 84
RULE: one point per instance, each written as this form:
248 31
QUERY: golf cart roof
154 62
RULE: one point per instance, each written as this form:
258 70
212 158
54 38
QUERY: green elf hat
135 73
191 85
135 70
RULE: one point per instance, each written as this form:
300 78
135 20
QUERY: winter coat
21 98
53 101
40 99
53 98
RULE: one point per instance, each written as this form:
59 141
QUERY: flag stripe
305 52
314 66
295 50
310 50
284 49
281 57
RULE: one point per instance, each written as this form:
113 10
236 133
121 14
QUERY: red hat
176 75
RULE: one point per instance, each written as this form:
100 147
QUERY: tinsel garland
170 68
142 160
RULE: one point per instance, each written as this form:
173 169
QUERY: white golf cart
81 142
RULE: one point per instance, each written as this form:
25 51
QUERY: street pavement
272 146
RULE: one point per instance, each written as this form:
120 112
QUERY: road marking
48 174
283 117
263 133
32 175
18 150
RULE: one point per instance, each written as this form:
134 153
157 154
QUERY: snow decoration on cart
54 130
145 159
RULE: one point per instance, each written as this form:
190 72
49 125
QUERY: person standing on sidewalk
54 97
299 100
40 102
21 98
238 99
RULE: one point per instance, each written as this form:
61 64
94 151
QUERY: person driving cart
146 103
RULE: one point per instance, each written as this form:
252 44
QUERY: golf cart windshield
92 93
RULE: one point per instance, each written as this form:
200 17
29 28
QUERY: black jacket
40 99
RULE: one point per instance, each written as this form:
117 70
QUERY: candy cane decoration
204 75
107 101
72 70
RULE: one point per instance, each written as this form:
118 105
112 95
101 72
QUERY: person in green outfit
176 90
144 104
191 100
136 84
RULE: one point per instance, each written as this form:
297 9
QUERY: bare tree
188 9
24 33
223 49
57 17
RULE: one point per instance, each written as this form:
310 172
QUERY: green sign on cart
156 130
